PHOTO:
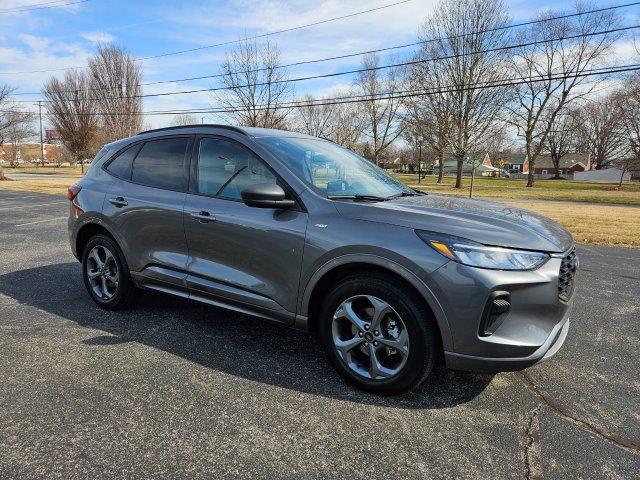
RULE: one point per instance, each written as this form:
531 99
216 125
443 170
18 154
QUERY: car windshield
334 171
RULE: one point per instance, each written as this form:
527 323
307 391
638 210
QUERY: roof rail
198 125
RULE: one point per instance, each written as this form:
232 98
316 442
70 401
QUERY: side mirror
266 195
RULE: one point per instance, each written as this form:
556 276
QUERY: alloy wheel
370 337
102 272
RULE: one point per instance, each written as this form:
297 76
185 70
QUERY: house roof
511 158
568 161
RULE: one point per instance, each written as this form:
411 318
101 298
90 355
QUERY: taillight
73 190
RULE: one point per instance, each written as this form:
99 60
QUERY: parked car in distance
300 231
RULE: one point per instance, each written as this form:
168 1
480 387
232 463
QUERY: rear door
146 205
241 254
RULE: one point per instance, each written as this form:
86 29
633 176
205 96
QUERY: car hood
482 221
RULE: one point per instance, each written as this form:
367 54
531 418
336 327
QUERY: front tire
106 274
378 337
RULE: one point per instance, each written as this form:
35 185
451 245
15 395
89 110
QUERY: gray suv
300 231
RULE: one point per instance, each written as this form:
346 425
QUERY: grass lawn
593 212
555 190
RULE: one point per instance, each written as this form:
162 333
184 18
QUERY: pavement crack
620 441
530 446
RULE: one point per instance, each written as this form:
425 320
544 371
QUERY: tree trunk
440 167
624 170
530 176
532 167
2 177
459 173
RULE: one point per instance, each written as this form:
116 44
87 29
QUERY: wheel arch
333 271
86 232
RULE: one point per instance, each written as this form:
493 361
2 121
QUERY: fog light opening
495 312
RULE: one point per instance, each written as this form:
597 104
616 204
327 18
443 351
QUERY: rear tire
368 314
106 274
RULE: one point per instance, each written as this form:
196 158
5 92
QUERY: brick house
569 164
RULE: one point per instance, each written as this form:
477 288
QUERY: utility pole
473 175
419 159
41 141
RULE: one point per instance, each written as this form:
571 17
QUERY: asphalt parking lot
173 389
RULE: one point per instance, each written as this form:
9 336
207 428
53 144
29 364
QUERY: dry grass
590 223
75 170
55 185
554 190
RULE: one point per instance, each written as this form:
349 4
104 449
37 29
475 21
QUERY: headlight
475 254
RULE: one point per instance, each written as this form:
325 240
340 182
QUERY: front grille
567 275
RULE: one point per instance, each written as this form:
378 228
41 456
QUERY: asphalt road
174 389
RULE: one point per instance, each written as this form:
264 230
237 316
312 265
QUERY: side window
121 165
160 164
226 168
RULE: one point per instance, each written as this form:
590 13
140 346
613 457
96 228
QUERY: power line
505 27
380 67
423 91
516 25
394 95
229 42
291 29
44 5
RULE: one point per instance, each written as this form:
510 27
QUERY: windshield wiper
405 194
371 198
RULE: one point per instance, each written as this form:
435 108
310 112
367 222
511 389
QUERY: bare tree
19 127
314 116
349 123
256 85
563 138
184 119
342 123
468 35
72 112
550 71
382 112
427 118
630 109
115 86
15 125
603 129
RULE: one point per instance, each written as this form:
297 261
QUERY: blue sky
56 38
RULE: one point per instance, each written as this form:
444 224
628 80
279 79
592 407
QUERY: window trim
186 161
105 165
195 161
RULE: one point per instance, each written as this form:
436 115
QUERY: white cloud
98 37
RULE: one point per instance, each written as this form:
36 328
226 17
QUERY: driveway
174 389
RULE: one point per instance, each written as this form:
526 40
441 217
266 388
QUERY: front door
240 255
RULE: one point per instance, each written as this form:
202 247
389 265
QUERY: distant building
481 162
568 164
53 137
512 162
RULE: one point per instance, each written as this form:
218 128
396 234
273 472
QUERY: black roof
248 131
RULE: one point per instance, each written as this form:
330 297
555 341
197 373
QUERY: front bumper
457 361
534 327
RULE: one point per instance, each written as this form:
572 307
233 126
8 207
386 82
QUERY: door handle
118 202
203 216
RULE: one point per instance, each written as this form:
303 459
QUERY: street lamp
420 140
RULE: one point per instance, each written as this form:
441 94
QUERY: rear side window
226 168
161 164
121 165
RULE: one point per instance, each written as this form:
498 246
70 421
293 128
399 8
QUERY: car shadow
226 341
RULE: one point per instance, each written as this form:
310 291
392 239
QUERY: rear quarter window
120 166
